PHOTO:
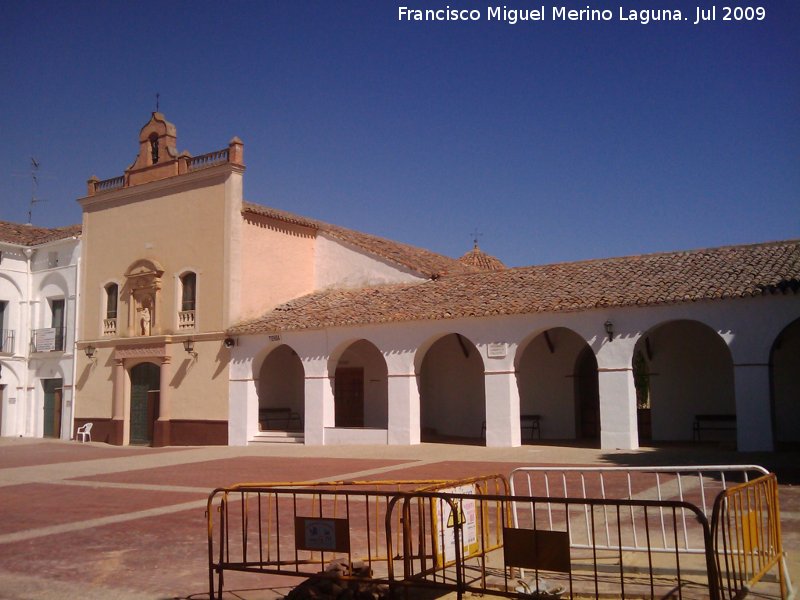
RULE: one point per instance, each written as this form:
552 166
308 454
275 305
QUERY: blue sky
558 141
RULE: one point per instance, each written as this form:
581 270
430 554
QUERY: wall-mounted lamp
188 345
229 342
609 330
90 351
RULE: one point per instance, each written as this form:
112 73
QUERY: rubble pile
341 581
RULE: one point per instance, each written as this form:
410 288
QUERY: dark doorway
349 397
144 402
52 407
587 395
784 366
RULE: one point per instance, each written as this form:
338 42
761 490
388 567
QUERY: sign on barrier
326 535
446 519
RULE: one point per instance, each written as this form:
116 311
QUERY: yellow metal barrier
746 530
298 529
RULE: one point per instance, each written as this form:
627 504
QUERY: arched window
110 321
186 317
112 291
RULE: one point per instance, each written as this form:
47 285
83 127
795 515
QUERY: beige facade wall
175 226
277 263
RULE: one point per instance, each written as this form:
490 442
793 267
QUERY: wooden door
52 407
349 397
144 380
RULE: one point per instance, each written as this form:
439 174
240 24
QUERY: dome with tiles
479 259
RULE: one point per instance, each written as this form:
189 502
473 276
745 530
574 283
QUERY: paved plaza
97 521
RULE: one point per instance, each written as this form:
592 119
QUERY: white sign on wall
496 350
45 340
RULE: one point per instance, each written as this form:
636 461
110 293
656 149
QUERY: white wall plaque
496 351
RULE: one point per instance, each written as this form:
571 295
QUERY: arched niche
281 385
683 368
557 379
361 387
452 390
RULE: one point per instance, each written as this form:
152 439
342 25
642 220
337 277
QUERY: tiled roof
30 235
479 259
422 261
646 280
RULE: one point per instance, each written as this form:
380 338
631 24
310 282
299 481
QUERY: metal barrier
635 533
746 531
697 485
298 529
542 546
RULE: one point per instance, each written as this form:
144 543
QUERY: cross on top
475 235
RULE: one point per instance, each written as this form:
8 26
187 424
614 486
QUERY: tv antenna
34 188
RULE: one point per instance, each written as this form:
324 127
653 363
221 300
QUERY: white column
753 411
67 404
618 427
502 409
242 412
319 409
404 428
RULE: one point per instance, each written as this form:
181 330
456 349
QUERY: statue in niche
145 316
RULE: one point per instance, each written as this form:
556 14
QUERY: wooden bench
529 423
279 418
712 422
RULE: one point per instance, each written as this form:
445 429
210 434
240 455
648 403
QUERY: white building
714 335
38 298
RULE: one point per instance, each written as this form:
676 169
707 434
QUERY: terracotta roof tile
416 259
646 280
30 235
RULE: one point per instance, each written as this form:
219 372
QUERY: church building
207 319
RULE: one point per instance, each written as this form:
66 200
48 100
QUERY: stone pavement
96 521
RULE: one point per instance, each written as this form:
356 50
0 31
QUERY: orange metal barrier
298 529
746 530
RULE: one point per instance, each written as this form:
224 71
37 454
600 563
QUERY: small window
112 293
189 291
52 259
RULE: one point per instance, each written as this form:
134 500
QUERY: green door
144 395
52 407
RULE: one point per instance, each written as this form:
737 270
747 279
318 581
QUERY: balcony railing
110 326
48 339
7 341
186 319
208 160
115 183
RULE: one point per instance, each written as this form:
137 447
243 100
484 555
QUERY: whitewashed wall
747 326
340 265
32 276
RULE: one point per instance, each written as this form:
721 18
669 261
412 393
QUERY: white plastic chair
84 433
